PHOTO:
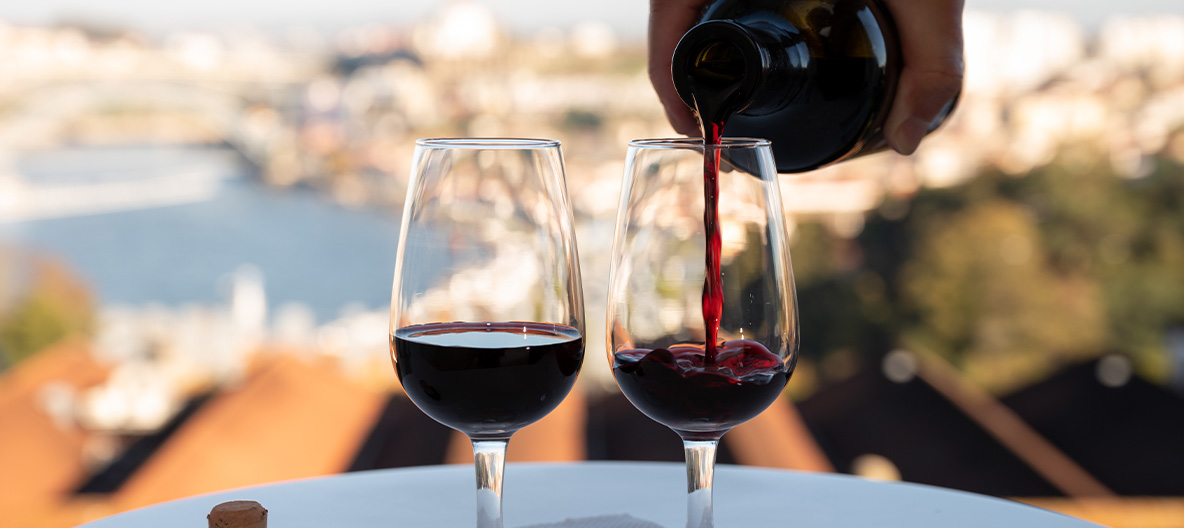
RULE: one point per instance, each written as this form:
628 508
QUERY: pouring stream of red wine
713 294
715 82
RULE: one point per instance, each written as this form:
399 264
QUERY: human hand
930 34
669 20
931 54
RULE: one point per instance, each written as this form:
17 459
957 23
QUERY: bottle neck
722 68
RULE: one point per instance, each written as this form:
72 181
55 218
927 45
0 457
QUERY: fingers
931 48
931 76
669 20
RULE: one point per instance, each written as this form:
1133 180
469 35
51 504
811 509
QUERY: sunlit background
199 207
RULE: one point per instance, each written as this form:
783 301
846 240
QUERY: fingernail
908 136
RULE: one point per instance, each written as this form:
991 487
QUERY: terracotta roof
42 459
777 438
403 436
1129 435
558 437
55 512
290 419
1010 430
928 438
618 431
139 449
1118 512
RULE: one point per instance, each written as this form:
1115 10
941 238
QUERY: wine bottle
814 77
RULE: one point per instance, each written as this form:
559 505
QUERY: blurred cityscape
1002 312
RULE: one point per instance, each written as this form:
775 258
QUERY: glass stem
700 472
489 456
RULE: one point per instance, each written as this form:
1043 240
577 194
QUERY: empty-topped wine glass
487 310
702 314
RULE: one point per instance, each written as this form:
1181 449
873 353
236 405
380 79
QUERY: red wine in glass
487 379
689 351
493 374
679 388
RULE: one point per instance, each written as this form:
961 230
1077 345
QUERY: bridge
251 119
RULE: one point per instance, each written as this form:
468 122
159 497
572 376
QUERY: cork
238 514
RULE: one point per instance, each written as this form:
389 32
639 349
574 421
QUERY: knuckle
941 82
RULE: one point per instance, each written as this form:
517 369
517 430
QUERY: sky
628 17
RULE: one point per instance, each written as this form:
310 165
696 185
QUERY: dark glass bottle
815 77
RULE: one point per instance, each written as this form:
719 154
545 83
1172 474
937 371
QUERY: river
308 249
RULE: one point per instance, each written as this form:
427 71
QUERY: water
308 250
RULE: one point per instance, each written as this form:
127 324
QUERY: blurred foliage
1007 277
583 120
52 306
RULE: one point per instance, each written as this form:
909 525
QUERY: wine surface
487 379
678 388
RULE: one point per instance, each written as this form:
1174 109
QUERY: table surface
602 494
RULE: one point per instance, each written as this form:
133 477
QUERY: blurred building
163 403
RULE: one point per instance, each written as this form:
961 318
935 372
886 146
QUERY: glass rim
487 143
697 143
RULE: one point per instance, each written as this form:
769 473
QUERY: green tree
1007 276
55 305
845 312
1125 235
981 293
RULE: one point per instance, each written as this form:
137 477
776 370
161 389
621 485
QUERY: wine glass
691 215
487 311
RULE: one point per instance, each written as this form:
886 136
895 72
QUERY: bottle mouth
718 55
718 62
